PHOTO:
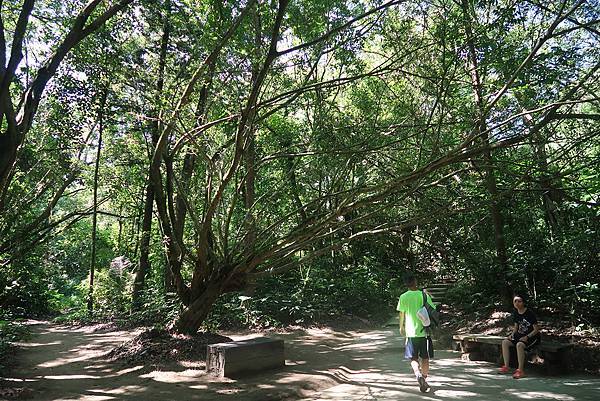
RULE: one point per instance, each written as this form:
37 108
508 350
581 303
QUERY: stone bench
554 356
238 358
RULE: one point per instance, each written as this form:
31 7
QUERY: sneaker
518 374
423 386
503 370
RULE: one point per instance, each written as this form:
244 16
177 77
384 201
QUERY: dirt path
62 363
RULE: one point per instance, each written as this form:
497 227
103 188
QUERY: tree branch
2 52
78 32
16 51
575 116
548 34
247 113
340 28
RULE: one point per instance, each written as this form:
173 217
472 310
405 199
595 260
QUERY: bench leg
470 351
498 359
564 357
481 352
556 362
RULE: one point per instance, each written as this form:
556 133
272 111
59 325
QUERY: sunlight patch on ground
363 359
199 387
33 345
299 377
450 379
13 379
455 394
540 395
454 381
228 391
352 372
63 361
129 370
583 383
375 335
289 362
98 366
448 362
241 337
69 377
192 364
121 390
174 377
192 373
346 391
484 371
80 354
364 346
324 332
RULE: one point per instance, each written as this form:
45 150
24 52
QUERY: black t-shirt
524 322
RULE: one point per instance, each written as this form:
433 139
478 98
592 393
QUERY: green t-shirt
410 302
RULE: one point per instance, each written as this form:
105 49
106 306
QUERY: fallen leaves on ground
156 346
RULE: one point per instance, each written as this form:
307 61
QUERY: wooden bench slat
479 338
491 339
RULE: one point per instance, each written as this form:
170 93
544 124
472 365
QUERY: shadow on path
63 363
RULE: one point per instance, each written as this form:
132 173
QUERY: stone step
437 293
444 286
436 290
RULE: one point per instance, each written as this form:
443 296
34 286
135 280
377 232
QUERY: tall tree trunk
144 263
196 312
120 248
90 300
488 161
249 193
545 184
250 148
291 170
204 241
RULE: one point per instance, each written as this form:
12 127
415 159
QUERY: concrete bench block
238 358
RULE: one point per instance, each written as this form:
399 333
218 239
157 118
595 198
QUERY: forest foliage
208 164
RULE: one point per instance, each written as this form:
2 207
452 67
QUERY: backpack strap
427 330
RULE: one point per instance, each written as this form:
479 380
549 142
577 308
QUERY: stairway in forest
439 290
438 293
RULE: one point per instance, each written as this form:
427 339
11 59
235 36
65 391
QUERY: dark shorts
418 347
532 342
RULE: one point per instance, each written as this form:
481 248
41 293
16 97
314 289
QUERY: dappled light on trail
119 391
455 394
63 363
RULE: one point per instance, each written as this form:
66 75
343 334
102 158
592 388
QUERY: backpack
432 313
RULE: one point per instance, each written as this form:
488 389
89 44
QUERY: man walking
419 347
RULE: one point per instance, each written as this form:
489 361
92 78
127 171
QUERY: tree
297 134
144 263
229 242
21 91
90 301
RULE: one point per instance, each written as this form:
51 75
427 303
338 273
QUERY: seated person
525 336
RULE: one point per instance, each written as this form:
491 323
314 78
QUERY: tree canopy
159 155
